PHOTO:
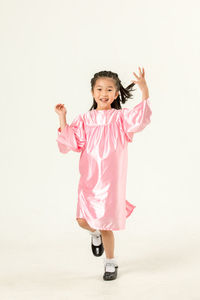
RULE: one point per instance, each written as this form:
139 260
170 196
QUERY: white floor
149 268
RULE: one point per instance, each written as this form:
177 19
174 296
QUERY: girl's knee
105 231
82 222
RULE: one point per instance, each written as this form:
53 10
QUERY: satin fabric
102 137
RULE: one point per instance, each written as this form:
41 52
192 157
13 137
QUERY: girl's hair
124 94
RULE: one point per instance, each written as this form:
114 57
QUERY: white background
50 50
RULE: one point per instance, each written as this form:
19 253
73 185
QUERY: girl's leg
84 224
108 242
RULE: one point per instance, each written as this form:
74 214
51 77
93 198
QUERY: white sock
110 264
96 232
96 239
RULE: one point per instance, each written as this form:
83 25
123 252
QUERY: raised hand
141 82
60 109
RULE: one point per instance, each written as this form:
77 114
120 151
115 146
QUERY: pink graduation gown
102 137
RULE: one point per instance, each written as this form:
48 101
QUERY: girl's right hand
60 109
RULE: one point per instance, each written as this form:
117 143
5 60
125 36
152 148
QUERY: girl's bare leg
84 224
108 242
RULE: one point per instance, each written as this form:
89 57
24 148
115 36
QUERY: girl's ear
117 94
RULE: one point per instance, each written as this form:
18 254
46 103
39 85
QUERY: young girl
102 135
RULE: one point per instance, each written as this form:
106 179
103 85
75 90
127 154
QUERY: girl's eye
100 89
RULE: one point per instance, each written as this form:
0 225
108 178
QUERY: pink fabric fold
72 137
137 118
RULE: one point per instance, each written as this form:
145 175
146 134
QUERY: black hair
124 95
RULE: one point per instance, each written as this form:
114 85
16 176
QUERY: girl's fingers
59 106
141 72
135 75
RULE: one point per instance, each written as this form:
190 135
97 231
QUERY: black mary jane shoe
97 250
110 275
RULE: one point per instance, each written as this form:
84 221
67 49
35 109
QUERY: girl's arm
63 121
145 93
61 111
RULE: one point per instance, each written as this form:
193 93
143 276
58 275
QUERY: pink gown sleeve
72 137
137 118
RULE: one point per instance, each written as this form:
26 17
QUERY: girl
102 135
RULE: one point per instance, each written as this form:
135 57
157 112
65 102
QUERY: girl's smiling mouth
103 100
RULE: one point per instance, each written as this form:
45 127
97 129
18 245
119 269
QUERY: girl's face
104 93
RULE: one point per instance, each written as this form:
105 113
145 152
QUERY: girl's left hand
140 79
